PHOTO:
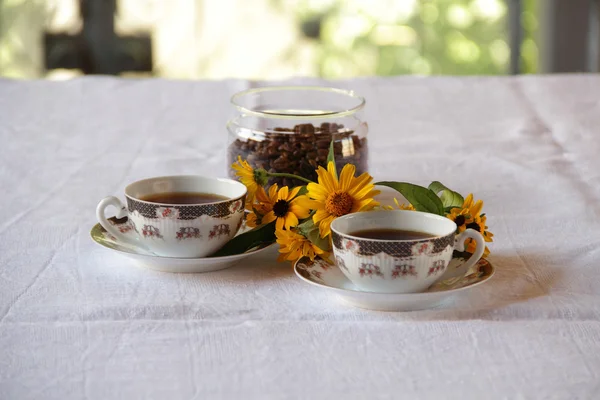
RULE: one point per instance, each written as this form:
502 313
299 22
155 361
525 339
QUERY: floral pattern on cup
236 206
218 231
370 270
422 248
349 245
151 231
185 212
188 233
437 267
167 212
403 271
395 249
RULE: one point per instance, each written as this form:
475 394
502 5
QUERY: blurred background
275 39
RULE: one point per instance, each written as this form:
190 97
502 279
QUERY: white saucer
166 264
329 277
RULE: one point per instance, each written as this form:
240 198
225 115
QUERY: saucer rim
374 294
190 259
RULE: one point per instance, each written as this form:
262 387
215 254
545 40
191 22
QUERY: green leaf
311 232
331 156
303 190
436 187
259 236
420 197
450 198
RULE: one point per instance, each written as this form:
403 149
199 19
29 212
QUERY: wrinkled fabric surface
78 321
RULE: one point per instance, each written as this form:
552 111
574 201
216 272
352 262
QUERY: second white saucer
329 277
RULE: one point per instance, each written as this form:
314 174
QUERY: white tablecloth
80 322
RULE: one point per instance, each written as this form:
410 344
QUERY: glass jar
289 130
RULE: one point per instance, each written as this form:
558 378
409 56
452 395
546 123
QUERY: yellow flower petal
273 193
283 193
294 193
317 191
301 212
332 170
346 177
290 220
468 203
325 226
279 223
476 209
326 180
305 202
366 191
269 217
359 183
364 205
319 216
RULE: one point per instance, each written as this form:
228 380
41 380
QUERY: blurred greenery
393 37
327 38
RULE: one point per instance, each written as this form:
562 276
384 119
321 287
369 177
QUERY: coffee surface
391 234
183 198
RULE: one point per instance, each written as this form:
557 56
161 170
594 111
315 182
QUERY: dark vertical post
98 49
564 38
515 31
593 50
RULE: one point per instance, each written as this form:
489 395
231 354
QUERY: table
77 321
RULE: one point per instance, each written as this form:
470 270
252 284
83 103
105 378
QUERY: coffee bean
281 164
300 152
323 152
323 144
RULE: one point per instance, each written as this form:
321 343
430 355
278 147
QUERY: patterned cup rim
439 218
228 199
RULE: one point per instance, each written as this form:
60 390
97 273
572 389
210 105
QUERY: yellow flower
258 207
408 207
281 205
469 217
252 220
293 246
253 179
332 198
464 215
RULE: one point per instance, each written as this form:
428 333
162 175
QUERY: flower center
280 208
474 225
460 220
339 203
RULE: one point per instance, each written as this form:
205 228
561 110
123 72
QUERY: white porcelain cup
177 230
400 266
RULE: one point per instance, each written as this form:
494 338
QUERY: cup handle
121 212
460 246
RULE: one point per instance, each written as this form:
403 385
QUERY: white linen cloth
78 321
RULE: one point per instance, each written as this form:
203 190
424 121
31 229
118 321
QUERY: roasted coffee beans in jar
289 130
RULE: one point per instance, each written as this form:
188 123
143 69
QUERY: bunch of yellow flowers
303 215
299 218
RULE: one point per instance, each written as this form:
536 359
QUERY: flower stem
284 175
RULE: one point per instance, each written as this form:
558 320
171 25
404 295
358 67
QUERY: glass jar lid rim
268 114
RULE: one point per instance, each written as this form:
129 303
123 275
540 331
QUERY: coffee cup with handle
400 266
174 229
